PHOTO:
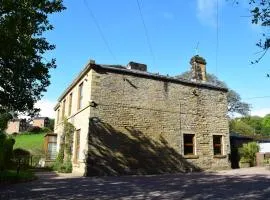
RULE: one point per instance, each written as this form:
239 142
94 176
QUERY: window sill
191 156
220 156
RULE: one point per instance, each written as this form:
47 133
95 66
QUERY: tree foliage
260 15
24 72
238 126
4 118
235 103
251 125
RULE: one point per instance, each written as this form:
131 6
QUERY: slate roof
123 70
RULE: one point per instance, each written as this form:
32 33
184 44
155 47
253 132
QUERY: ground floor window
50 146
217 144
189 144
77 145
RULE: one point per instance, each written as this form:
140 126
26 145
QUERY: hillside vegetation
31 142
251 126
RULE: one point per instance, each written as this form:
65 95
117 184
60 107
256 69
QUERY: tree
260 15
4 118
238 126
51 124
235 104
266 125
24 71
255 122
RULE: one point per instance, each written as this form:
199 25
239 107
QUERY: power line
217 36
100 31
261 97
146 32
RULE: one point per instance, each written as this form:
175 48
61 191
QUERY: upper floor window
58 115
80 95
63 109
70 104
189 144
217 144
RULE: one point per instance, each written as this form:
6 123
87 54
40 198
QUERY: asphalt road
251 183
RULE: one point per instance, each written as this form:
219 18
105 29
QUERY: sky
113 32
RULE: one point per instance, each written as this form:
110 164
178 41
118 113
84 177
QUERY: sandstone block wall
140 120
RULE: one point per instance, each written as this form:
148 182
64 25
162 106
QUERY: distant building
41 122
16 126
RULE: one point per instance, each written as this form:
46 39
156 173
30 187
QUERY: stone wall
157 113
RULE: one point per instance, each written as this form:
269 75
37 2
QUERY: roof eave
85 70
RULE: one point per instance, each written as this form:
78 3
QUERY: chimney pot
198 68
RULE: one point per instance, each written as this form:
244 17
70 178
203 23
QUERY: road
250 183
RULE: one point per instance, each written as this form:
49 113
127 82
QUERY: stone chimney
137 66
198 68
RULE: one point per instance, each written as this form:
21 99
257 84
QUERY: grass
10 176
31 142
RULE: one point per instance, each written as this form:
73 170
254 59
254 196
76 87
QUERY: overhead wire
259 97
100 30
217 34
146 32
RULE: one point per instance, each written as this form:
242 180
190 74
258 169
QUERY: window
63 109
51 148
80 96
189 144
70 104
217 144
77 146
58 115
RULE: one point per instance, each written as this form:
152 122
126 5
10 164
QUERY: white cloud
261 112
207 11
46 108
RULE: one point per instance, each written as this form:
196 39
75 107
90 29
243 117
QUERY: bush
6 147
46 130
34 129
66 167
248 152
21 157
14 133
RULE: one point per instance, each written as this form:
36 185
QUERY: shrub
248 152
46 130
34 129
14 133
60 165
8 150
6 147
59 159
21 157
66 167
63 161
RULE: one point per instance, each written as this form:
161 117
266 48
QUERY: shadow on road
173 186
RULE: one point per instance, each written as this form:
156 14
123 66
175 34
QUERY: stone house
41 122
16 126
131 121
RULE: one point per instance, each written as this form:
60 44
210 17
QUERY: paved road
252 183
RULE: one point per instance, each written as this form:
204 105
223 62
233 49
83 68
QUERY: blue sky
174 28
